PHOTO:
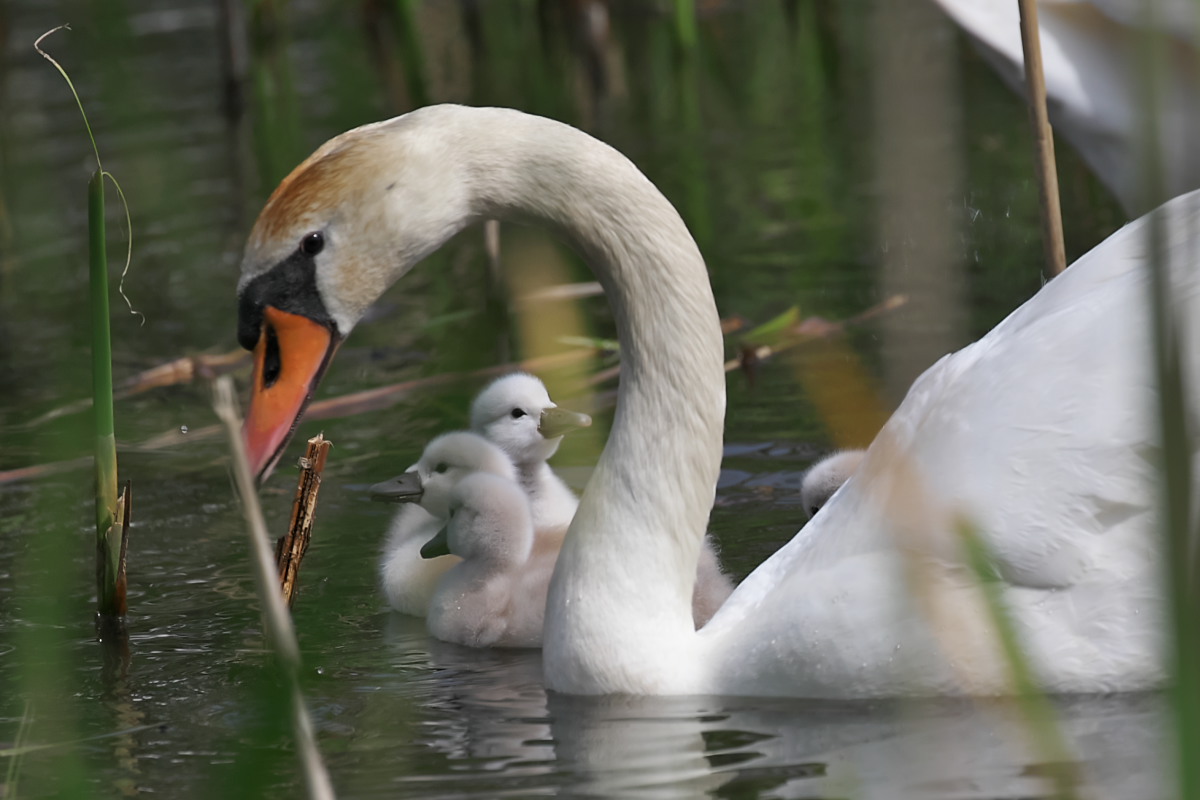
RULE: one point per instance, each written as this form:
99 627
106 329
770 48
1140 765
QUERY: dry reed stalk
290 549
807 330
277 622
1043 139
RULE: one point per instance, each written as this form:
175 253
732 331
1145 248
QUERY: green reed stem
686 30
109 535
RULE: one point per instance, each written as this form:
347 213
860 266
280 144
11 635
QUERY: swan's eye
440 468
312 243
812 512
517 413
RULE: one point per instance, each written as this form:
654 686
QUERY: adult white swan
1041 433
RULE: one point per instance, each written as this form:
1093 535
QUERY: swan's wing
1043 434
1090 51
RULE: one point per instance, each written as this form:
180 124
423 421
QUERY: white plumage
1042 434
495 595
513 413
827 476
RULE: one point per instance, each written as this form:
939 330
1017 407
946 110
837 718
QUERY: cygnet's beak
404 488
557 421
439 545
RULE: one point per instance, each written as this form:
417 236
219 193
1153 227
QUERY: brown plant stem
290 548
1043 140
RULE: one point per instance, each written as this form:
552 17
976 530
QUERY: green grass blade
773 330
1039 714
1179 551
1175 518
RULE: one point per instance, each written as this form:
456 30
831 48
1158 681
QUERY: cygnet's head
517 415
489 521
826 477
445 462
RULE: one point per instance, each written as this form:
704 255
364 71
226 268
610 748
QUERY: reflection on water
486 716
760 140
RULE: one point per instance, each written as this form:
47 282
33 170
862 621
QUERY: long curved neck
630 556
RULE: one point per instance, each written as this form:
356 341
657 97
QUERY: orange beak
289 360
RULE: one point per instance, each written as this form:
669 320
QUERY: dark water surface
769 139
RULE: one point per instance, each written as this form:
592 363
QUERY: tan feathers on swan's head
381 195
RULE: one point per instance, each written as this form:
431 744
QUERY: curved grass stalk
37 45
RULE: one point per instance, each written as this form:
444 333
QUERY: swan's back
1039 435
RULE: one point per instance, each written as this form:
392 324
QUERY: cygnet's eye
312 243
517 413
441 467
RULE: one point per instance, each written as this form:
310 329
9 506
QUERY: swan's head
335 234
825 477
517 415
445 462
488 521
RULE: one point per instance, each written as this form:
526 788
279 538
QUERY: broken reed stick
1043 140
290 548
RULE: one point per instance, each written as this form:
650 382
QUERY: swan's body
1040 433
1094 82
827 476
495 593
